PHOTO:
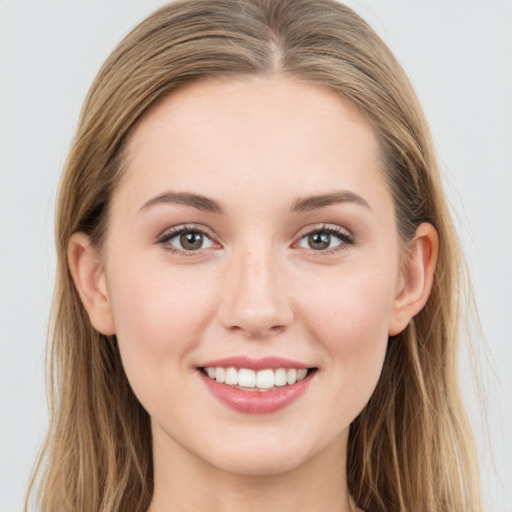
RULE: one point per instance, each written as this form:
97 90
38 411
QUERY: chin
259 464
267 456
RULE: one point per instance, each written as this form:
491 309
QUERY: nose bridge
255 300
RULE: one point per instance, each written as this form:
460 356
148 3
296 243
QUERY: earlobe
416 278
89 278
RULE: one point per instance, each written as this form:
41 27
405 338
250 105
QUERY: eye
186 239
328 239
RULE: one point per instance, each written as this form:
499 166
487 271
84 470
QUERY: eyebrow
315 202
205 204
197 201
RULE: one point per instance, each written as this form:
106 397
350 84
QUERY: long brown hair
411 447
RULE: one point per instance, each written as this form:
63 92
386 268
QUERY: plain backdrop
458 55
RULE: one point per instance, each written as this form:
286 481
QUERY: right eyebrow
197 201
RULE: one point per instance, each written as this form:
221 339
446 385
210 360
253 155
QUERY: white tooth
291 376
231 376
265 379
220 374
301 374
211 372
246 378
280 377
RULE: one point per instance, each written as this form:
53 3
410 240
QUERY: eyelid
174 231
346 237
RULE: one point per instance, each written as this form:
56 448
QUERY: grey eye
319 241
189 240
325 239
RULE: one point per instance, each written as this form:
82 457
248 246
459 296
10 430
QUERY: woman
256 299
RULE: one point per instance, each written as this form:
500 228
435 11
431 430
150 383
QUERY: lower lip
257 402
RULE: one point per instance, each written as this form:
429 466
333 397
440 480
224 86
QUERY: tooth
265 379
220 374
231 376
280 377
291 376
246 378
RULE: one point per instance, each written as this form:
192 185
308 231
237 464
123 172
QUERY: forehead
252 136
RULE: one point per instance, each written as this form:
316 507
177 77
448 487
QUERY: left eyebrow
322 200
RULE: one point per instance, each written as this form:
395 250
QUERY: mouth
265 380
256 386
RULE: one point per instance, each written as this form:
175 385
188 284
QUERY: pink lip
256 402
255 364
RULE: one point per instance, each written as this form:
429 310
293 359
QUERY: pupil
190 241
319 240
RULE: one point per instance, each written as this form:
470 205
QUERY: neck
186 483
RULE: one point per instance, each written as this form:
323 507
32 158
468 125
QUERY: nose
255 300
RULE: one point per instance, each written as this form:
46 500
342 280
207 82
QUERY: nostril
277 328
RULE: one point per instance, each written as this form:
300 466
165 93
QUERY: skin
257 287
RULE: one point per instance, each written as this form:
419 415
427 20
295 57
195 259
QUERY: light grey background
459 57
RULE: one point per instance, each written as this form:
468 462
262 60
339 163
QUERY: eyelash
166 237
345 239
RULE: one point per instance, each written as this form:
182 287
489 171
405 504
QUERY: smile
247 379
256 386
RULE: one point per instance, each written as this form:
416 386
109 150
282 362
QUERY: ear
89 278
416 278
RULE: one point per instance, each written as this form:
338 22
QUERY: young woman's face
252 237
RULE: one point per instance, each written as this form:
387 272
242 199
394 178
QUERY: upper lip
263 363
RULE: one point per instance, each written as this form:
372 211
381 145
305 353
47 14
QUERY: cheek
350 323
354 304
158 314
